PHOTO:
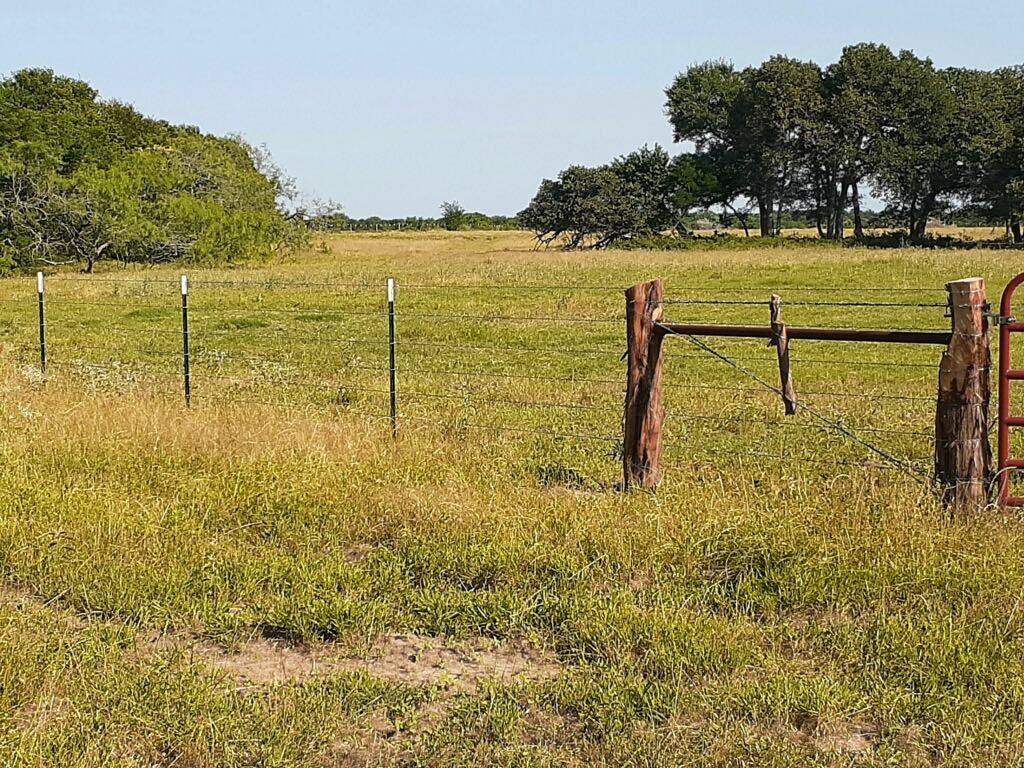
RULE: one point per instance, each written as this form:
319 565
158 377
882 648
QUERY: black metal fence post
393 376
40 285
186 363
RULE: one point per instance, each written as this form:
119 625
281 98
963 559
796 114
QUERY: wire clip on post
392 371
40 286
186 367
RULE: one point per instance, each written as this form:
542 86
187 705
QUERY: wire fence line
832 424
538 361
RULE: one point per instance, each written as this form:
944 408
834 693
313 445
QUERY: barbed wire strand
784 457
910 469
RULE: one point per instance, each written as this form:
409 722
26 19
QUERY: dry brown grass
750 613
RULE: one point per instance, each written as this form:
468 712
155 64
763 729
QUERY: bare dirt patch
849 738
407 658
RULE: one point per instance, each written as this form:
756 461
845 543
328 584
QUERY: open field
266 578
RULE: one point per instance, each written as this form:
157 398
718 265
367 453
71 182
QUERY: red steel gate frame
1008 325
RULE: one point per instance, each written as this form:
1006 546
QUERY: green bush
83 179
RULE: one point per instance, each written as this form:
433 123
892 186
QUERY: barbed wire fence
538 362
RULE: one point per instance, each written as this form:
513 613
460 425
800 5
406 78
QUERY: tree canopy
83 179
643 192
789 136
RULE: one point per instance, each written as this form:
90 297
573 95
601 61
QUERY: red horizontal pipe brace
815 334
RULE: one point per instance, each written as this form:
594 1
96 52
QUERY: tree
915 152
83 179
586 206
753 122
644 192
452 215
839 146
709 105
704 182
655 185
787 137
997 175
785 105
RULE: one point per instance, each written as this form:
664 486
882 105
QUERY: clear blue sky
392 107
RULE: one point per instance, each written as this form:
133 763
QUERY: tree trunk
858 222
1015 230
830 213
764 210
839 230
780 186
919 225
743 219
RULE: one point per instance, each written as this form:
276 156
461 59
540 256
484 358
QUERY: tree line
453 218
791 137
83 179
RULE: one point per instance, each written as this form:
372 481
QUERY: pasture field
267 578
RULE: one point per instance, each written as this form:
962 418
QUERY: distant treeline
339 222
695 221
790 139
83 179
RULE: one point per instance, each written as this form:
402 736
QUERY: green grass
754 611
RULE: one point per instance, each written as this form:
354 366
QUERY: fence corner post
644 411
963 456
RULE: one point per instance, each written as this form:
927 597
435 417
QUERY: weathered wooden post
963 456
780 340
644 412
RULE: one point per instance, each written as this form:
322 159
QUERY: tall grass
752 612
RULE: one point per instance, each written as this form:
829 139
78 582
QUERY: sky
390 108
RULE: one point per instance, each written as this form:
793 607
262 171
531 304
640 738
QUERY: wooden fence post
644 412
963 456
780 340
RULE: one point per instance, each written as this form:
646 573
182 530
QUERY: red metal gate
1008 325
